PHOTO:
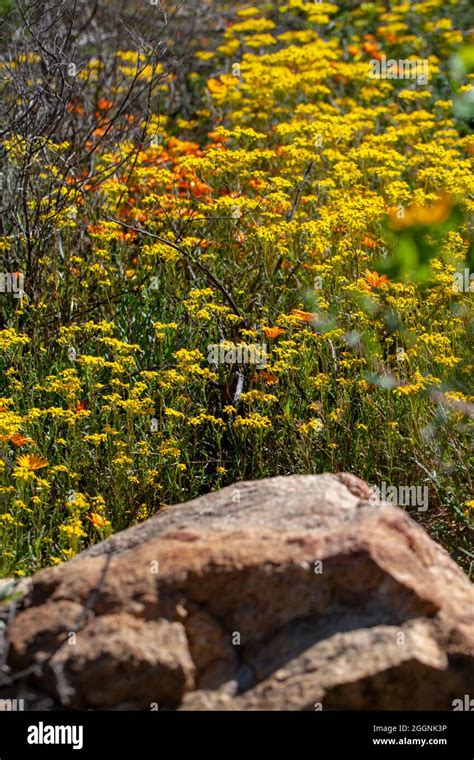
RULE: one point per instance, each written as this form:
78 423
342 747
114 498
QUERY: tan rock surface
290 593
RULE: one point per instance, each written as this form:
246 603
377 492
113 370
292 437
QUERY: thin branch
189 257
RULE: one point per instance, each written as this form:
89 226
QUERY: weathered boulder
289 593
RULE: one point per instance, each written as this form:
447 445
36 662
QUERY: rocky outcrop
290 593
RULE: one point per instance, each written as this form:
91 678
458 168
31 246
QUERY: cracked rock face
289 593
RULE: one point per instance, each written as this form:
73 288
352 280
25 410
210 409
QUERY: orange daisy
272 332
423 216
369 242
31 462
375 280
269 378
20 440
305 316
97 520
104 104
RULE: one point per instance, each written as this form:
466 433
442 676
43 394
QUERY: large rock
289 593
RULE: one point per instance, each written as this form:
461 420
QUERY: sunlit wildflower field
274 279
